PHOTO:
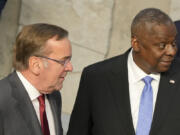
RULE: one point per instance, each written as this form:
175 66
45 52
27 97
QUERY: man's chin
164 69
58 88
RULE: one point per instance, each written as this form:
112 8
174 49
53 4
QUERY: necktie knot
41 99
147 80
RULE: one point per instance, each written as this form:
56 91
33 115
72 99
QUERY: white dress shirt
136 85
34 94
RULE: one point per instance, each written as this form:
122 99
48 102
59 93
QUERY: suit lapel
118 79
167 89
56 114
24 105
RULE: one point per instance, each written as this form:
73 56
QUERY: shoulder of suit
106 64
4 83
6 92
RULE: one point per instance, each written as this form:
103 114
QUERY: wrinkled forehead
53 43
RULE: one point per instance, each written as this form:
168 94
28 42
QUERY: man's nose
69 67
171 50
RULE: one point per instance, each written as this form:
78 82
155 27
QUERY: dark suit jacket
102 105
177 23
17 114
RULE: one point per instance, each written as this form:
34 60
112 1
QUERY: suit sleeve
80 122
1 125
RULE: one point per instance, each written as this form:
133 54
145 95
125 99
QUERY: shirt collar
31 90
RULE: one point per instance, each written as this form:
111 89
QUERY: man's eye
174 44
162 45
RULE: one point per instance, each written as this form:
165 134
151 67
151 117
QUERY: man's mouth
166 62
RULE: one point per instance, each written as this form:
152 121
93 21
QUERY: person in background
136 93
177 23
30 101
2 4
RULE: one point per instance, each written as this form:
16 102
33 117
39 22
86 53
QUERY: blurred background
98 29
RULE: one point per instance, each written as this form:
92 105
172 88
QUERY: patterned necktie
43 117
145 108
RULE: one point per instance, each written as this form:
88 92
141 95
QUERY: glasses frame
62 62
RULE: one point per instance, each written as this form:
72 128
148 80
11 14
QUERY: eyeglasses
62 62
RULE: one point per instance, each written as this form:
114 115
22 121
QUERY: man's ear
135 44
35 65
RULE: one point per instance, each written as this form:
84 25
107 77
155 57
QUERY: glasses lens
67 61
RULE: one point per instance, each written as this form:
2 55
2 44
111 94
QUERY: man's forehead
164 30
54 39
155 29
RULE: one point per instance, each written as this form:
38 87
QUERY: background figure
136 92
177 23
31 101
2 4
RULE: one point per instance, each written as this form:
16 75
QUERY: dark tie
145 108
43 117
